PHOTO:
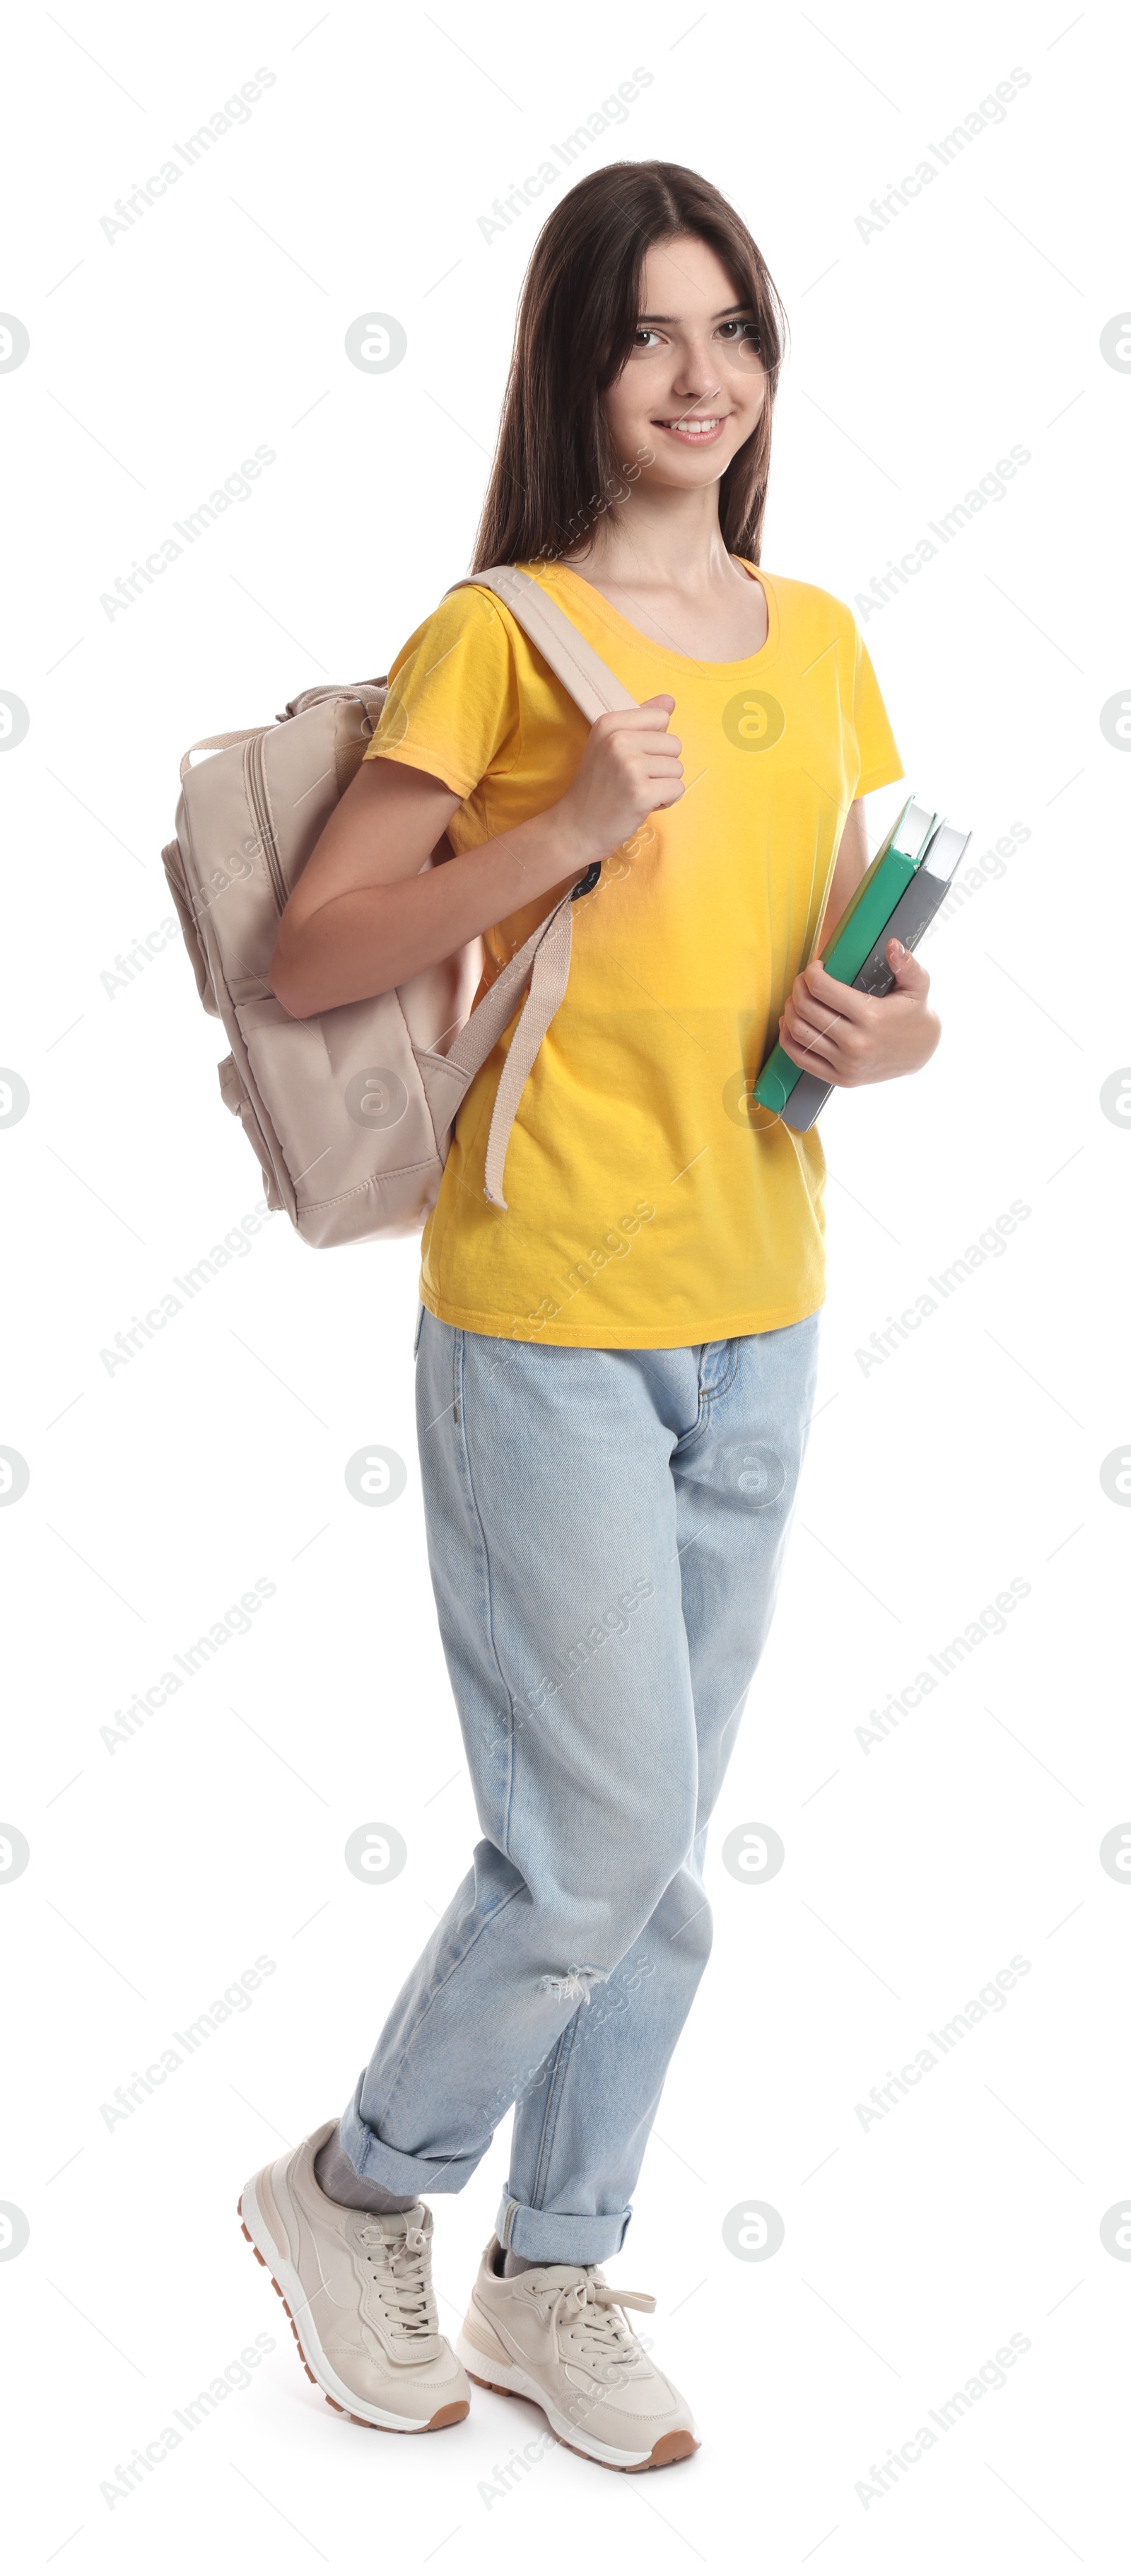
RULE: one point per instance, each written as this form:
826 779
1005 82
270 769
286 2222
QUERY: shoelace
587 2310
401 2269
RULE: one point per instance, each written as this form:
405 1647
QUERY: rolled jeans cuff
373 2161
549 2236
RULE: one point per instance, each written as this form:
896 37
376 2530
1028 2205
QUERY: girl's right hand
629 768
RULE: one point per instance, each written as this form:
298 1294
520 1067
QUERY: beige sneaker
555 2334
358 2292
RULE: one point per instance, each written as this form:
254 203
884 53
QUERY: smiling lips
694 433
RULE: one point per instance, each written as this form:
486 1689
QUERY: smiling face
693 387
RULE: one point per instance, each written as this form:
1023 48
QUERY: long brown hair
555 468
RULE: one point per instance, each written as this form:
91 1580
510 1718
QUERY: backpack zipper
257 799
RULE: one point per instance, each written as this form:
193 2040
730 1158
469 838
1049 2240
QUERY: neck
658 539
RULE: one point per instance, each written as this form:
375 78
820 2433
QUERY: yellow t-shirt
649 1203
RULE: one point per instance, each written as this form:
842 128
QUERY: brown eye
745 339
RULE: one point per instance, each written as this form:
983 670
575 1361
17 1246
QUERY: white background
915 1868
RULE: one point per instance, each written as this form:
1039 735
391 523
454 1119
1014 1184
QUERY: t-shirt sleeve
453 705
879 759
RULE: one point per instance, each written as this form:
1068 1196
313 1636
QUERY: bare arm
851 864
368 912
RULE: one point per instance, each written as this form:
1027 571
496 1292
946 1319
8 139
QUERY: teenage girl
614 1373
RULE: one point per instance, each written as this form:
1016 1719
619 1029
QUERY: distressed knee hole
574 1986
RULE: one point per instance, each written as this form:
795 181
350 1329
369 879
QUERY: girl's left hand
847 1037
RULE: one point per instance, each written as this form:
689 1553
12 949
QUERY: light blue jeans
605 1533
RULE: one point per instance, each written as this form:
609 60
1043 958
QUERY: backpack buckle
586 883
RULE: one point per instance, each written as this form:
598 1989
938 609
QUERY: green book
860 925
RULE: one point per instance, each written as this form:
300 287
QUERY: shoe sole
376 2421
518 2383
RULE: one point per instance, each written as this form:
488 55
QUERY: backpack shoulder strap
591 684
543 962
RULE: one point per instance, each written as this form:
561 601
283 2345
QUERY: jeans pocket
416 1335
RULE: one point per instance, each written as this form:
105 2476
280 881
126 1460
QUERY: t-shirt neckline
603 609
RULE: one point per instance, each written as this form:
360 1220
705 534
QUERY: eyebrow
728 311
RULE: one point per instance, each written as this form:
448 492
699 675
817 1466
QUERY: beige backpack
351 1113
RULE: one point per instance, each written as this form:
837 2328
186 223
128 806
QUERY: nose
693 382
